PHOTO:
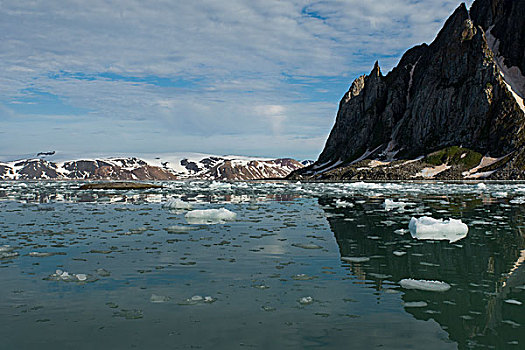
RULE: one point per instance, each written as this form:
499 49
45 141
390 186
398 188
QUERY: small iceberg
430 286
65 276
306 300
415 304
390 205
343 204
210 216
355 259
178 229
157 299
427 228
177 204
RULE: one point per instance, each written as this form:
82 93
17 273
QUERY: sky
244 77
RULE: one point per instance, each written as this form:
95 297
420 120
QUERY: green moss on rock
454 155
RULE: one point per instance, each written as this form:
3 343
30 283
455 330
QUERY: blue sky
260 78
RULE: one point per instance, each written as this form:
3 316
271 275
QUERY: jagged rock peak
355 89
464 89
376 71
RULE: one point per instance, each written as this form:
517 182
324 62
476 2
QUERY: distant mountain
452 109
196 166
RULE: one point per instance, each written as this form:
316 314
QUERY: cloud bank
260 77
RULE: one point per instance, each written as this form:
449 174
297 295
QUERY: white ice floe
513 302
390 204
399 253
500 194
401 231
342 204
415 304
177 204
65 276
355 259
306 300
178 229
210 216
481 186
427 228
156 299
6 249
431 286
518 200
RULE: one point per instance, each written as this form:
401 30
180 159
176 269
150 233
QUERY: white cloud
228 60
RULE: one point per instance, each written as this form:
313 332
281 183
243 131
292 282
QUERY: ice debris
513 302
306 300
390 204
343 204
427 228
177 204
178 229
65 276
431 286
210 216
415 304
158 298
197 299
355 259
306 245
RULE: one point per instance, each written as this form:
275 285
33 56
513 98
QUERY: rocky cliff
452 109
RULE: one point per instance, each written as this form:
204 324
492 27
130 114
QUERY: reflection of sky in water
144 263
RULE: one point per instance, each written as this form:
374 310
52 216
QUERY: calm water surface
302 266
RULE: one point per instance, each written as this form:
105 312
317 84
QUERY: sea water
260 265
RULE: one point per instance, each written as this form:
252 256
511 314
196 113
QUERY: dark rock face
37 169
448 93
507 19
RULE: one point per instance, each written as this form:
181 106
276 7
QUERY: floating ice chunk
8 255
399 253
343 204
158 298
431 286
513 301
133 314
65 276
306 245
415 304
401 231
44 254
306 300
481 186
103 272
178 229
177 204
214 185
511 323
499 194
518 200
303 277
6 249
208 299
81 277
355 259
427 228
390 204
210 216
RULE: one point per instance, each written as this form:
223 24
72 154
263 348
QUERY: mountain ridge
194 167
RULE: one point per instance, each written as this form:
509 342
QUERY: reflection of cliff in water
484 269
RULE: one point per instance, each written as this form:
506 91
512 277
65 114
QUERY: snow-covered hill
51 165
